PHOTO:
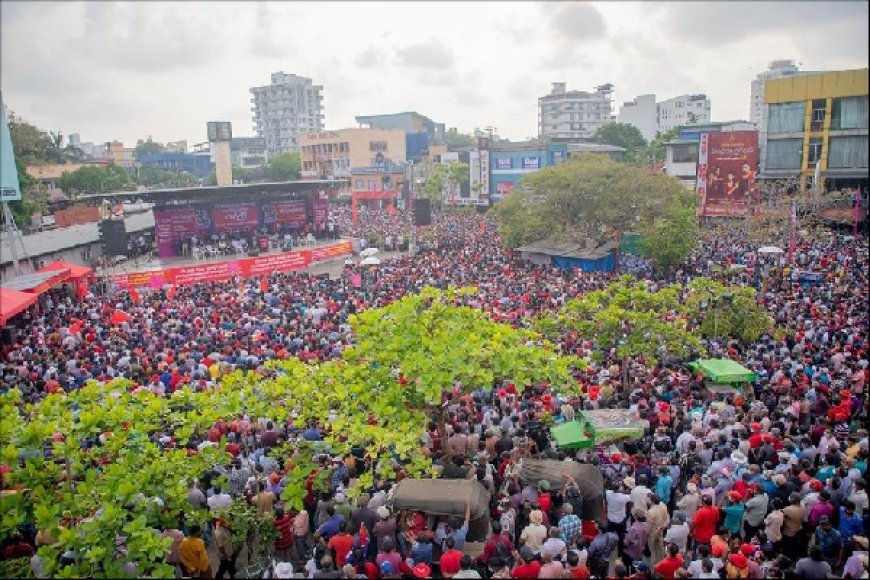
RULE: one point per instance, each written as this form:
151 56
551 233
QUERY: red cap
739 560
748 549
421 570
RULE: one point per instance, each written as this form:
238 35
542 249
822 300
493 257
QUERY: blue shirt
329 528
422 552
850 526
663 488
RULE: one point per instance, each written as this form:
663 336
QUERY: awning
13 302
723 370
76 272
38 282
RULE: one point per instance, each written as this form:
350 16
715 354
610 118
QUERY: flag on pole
134 295
264 284
356 280
856 211
792 243
170 294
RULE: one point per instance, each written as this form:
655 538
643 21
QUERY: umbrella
368 252
370 261
770 250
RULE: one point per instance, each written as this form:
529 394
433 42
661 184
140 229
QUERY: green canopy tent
598 426
723 370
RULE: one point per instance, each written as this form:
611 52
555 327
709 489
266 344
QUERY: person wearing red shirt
450 559
529 568
341 544
705 521
670 563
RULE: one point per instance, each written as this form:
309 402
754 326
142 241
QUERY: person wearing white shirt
219 501
678 532
640 494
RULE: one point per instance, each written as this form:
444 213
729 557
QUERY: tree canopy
95 179
283 167
626 136
656 150
727 311
455 139
147 147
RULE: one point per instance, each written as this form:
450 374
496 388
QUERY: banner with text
727 169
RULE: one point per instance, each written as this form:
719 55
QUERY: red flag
134 295
793 236
171 292
119 316
264 284
856 212
391 209
356 280
76 326
482 226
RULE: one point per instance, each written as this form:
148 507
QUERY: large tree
592 197
668 240
455 139
283 167
626 136
147 147
656 151
95 179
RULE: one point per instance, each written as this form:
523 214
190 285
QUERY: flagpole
856 211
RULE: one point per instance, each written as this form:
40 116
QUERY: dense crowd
760 483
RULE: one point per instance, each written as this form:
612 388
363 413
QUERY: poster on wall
290 213
504 163
230 217
531 162
320 213
727 170
179 224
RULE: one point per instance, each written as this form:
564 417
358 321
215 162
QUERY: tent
38 282
80 276
14 302
723 370
589 480
591 428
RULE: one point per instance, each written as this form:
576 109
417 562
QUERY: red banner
235 216
727 169
225 270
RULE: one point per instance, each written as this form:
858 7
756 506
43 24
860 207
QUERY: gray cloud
575 21
432 54
372 57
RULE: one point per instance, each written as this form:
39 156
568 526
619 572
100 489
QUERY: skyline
125 71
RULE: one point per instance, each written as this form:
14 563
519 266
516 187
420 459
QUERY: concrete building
775 70
248 152
817 119
121 156
681 111
284 110
681 157
421 132
641 112
197 165
333 154
565 115
508 162
176 146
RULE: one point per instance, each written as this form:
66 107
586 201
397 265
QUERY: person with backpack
499 544
600 549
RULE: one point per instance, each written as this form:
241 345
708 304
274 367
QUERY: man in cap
830 542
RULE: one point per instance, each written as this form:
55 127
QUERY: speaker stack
113 235
422 212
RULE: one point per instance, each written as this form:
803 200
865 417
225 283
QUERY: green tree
31 202
436 182
148 147
455 139
657 150
728 311
457 176
672 237
629 317
626 136
593 197
521 219
283 167
95 179
31 144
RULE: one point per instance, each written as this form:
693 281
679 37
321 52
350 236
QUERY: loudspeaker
113 234
8 335
422 212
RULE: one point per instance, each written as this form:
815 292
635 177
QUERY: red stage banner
235 216
727 169
227 269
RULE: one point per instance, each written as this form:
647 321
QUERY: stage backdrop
727 168
204 220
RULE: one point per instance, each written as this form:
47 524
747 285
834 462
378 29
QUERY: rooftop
569 248
594 148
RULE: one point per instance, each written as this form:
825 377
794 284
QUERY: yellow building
332 154
817 119
121 156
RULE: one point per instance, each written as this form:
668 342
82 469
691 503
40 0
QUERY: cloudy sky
126 70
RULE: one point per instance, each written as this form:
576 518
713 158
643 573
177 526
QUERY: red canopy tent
14 302
38 282
80 276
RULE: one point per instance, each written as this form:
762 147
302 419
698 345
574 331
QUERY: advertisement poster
225 270
230 217
321 213
727 170
531 163
179 224
290 213
504 163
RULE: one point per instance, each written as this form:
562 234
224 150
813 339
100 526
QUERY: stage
160 272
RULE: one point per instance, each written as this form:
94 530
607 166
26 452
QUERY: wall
847 83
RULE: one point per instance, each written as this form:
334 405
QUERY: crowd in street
761 483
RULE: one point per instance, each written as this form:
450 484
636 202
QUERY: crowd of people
764 482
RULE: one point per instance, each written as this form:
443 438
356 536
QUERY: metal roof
30 281
51 241
284 187
594 148
568 248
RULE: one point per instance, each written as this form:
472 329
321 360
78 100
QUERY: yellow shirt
193 556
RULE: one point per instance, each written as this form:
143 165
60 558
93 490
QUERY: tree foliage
671 238
455 139
283 167
95 179
521 219
155 177
94 468
742 317
656 151
147 147
628 318
593 197
626 136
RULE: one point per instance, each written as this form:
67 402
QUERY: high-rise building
573 115
775 70
287 108
681 111
641 113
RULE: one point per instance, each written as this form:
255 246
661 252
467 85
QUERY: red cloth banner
727 179
235 216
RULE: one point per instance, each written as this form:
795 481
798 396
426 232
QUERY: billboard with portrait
727 170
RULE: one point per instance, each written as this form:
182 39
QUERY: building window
815 151
848 152
849 113
685 153
359 184
784 153
371 185
786 118
817 121
377 145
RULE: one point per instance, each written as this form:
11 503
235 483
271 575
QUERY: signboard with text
727 169
531 162
504 163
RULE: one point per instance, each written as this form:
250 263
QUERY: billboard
504 163
9 187
531 162
727 169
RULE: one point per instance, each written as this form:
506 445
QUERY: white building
284 110
641 113
775 70
573 115
248 152
681 111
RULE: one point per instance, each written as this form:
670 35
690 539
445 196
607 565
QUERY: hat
383 512
536 517
337 459
616 457
718 550
544 485
862 541
816 485
734 496
755 426
748 549
283 570
421 570
387 568
739 560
